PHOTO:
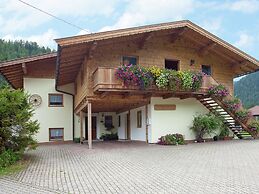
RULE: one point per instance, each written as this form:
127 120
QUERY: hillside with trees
247 89
19 48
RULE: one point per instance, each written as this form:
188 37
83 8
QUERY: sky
235 21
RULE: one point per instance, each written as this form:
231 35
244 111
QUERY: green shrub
17 130
107 137
186 80
163 80
77 139
206 125
233 104
197 80
254 126
219 91
8 158
243 115
174 81
171 139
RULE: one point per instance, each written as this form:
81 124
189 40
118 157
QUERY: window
172 64
206 69
139 119
256 117
55 99
127 60
56 134
108 122
119 121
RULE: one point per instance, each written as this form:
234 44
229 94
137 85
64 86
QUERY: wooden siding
154 52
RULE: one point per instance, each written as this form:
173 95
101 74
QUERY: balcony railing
104 80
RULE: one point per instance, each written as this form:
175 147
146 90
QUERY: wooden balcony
104 80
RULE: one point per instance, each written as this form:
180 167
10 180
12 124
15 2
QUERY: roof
151 28
73 50
254 110
13 70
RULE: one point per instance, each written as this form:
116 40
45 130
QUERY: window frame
139 119
56 94
119 121
132 56
61 128
207 66
106 116
178 65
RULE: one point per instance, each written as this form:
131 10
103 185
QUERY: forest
19 48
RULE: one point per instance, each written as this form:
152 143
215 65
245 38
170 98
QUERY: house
255 112
76 94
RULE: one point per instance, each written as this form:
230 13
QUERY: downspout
56 88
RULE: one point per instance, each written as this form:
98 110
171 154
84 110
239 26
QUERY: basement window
56 100
206 69
129 60
172 64
56 134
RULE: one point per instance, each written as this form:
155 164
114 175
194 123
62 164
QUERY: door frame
86 128
127 127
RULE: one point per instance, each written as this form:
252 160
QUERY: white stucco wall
50 117
122 127
138 134
174 121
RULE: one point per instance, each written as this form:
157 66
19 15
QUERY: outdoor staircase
234 124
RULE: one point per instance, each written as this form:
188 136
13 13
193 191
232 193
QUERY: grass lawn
17 167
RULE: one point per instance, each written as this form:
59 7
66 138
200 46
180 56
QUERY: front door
94 124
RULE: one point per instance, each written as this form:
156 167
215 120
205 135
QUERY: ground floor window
139 119
56 134
55 99
108 122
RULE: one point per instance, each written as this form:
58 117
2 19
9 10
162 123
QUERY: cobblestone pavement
131 167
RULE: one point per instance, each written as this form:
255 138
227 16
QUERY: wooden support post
89 117
24 68
81 127
147 123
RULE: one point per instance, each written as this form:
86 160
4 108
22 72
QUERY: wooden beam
104 94
91 50
147 95
126 95
81 106
24 68
178 35
166 96
81 127
89 115
205 49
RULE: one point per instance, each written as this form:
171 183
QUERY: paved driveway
130 167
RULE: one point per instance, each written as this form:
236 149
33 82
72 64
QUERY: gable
73 51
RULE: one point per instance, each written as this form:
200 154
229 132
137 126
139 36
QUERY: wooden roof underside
15 70
74 50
